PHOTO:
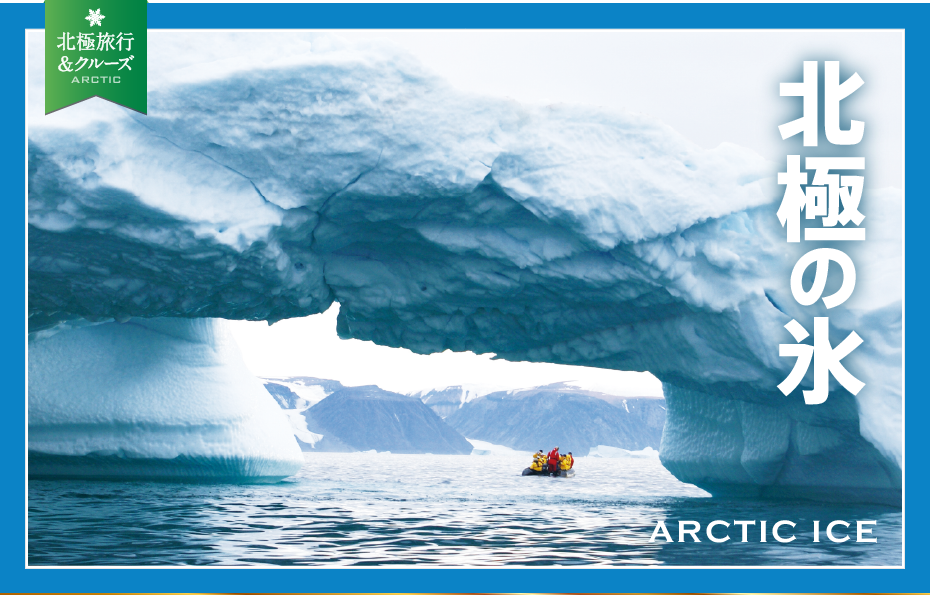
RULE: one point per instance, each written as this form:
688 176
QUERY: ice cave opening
437 220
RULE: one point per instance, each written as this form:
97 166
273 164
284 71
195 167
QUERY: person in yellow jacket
538 461
566 462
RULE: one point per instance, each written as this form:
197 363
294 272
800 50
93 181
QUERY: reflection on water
366 509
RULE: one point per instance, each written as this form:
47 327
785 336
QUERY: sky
309 347
711 86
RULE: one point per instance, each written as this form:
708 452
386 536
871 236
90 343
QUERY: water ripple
373 510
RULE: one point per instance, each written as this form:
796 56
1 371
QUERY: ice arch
267 188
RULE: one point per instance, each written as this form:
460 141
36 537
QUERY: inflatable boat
545 472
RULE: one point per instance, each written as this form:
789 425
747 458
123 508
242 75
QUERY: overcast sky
309 347
711 86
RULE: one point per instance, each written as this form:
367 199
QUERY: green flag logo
96 48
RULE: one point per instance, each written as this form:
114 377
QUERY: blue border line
508 16
914 18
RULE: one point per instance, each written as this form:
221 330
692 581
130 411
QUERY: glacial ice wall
266 184
152 397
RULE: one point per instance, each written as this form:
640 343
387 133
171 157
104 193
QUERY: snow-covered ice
265 184
612 452
152 397
483 448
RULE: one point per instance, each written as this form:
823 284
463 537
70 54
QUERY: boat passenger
538 460
566 462
554 461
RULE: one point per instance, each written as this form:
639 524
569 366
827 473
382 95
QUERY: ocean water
384 509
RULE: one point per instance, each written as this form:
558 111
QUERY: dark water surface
367 509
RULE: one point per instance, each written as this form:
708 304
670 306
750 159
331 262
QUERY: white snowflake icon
94 17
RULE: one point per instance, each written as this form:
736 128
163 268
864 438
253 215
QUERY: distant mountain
312 391
560 415
446 401
615 400
327 416
306 388
363 418
369 418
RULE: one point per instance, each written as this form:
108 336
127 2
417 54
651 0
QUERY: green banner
96 48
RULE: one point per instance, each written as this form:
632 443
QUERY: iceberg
266 184
152 398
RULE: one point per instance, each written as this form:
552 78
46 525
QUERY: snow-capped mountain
448 400
349 419
560 415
